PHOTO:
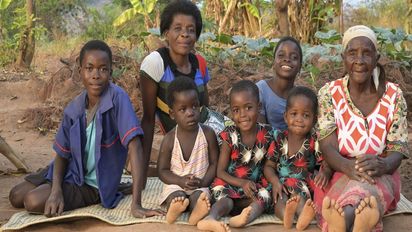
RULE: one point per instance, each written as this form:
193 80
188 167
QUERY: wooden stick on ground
6 150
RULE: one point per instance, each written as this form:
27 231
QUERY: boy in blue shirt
98 130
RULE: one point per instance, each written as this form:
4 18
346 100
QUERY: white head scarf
358 31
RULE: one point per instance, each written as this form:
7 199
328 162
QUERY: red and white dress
382 131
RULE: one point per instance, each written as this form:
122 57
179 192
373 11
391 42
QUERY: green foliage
252 9
331 36
13 22
139 7
392 44
384 13
4 4
101 25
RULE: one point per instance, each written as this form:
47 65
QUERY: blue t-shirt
273 106
89 158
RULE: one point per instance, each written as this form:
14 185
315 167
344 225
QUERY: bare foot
242 219
201 209
210 224
306 216
367 215
333 215
290 210
176 208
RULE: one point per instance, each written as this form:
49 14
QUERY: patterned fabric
160 59
246 163
296 172
197 164
383 130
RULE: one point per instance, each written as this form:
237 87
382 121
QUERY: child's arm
135 151
55 203
269 171
324 175
213 154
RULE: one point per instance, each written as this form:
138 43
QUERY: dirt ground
20 92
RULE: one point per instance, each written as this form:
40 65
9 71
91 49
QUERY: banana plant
4 4
140 7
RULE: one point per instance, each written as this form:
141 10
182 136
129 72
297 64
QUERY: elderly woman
363 136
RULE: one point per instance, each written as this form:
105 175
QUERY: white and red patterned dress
382 131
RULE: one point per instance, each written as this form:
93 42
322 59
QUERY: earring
375 74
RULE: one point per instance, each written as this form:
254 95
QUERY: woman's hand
373 165
249 188
354 174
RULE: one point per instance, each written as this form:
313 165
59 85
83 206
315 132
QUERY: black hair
179 84
293 40
95 45
306 92
245 85
184 7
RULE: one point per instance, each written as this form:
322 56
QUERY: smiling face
245 110
95 72
299 115
287 60
360 58
186 109
181 36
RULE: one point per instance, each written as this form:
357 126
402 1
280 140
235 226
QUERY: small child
188 155
273 92
240 184
291 167
98 131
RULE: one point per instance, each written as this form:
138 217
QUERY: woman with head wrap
363 137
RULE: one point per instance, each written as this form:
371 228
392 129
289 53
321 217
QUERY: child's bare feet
306 216
211 224
367 215
333 215
176 208
290 210
201 209
242 219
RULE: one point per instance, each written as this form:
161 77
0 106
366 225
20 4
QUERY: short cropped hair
180 84
306 92
245 85
95 45
184 7
293 40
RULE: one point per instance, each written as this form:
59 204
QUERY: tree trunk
27 40
408 23
305 21
341 25
229 13
282 15
252 23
